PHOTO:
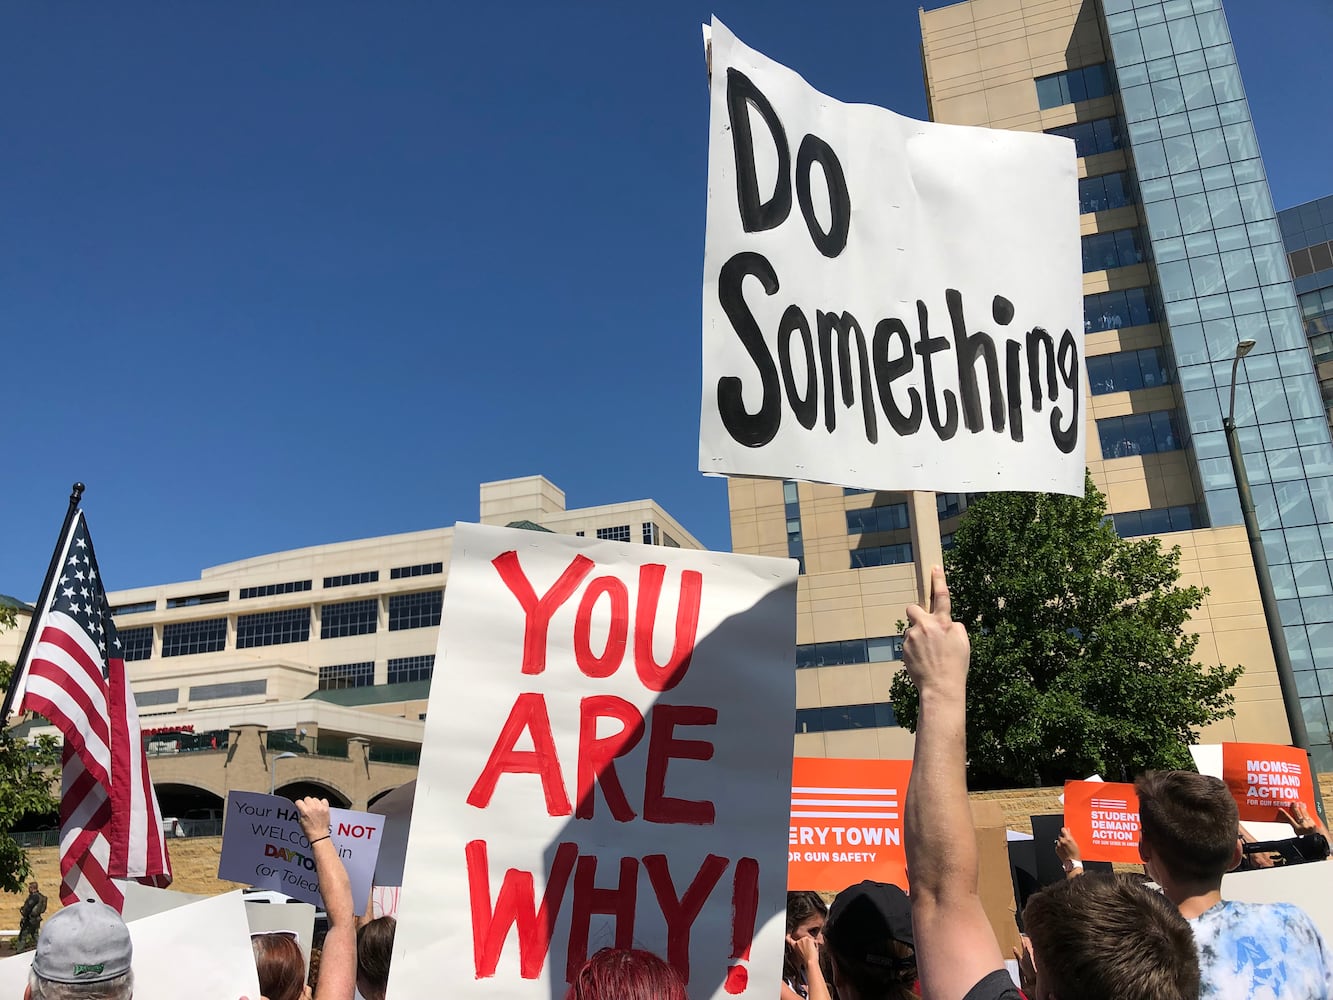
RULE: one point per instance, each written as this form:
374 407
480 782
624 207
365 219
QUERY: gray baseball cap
83 943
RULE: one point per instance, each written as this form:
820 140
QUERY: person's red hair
626 974
280 965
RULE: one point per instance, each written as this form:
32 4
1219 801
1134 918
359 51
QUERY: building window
346 675
833 718
147 699
1127 371
135 609
1104 192
669 542
351 618
420 610
351 579
881 555
1138 434
1072 86
1159 521
411 668
651 536
269 589
193 600
1118 248
580 534
421 569
1117 310
136 643
880 649
234 689
865 520
949 505
1091 138
791 507
273 628
619 533
186 638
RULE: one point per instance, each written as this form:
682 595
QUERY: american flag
110 823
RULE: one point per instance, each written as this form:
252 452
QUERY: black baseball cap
865 918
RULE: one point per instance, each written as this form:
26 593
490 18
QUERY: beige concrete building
325 652
1159 342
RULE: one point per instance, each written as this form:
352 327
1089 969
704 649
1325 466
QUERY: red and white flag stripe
111 825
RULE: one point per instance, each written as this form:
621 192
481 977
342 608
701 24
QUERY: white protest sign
608 764
201 948
1309 886
299 918
262 845
146 900
888 304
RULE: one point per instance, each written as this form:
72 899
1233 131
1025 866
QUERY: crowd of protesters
1164 935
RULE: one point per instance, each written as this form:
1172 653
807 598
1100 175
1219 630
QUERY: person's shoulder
995 986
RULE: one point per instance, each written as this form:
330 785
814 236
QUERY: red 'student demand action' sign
1103 816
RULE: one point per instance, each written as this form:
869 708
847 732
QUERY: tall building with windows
1307 234
318 646
1182 258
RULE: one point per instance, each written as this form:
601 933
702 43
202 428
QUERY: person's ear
1237 854
27 992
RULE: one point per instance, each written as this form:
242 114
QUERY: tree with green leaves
1082 659
27 773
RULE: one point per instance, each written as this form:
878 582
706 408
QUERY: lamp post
1286 677
273 771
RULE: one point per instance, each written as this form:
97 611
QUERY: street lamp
273 771
1286 678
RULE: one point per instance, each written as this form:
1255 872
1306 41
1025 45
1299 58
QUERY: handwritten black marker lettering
887 372
844 326
756 215
816 150
806 408
749 429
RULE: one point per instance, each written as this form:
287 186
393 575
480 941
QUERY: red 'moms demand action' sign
606 762
1265 777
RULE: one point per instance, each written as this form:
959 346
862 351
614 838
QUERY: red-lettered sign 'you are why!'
606 763
1265 777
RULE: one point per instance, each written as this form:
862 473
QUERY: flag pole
20 668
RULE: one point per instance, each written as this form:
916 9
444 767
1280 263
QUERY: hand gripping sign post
606 762
1103 816
1264 778
846 823
888 304
262 845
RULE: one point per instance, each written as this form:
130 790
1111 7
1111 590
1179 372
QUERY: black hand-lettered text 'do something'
889 353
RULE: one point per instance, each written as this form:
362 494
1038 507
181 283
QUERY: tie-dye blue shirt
1261 951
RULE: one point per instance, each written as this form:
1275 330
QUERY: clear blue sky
278 275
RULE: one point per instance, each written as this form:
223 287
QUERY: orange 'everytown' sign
846 822
1264 777
1103 816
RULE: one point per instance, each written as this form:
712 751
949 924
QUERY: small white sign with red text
607 762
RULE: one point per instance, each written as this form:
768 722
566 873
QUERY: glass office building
1222 277
1307 235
